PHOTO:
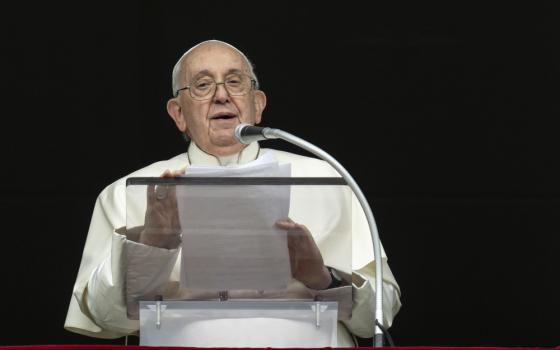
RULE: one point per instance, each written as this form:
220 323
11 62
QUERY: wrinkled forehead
213 59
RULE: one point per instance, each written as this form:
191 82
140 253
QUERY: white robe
98 306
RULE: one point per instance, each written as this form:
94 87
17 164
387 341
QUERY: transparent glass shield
236 238
279 324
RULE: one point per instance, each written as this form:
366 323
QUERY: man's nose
221 95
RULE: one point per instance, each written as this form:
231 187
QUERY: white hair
178 68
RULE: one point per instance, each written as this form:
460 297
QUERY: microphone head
238 133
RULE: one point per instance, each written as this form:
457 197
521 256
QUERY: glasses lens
237 84
203 87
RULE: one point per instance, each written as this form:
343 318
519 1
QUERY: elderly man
215 89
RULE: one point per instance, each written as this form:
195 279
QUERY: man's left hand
305 258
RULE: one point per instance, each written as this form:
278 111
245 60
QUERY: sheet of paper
264 166
230 240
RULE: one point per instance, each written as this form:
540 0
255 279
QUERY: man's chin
226 145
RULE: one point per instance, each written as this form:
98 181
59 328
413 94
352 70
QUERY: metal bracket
158 308
223 295
318 307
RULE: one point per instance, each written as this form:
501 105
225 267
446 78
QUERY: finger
176 173
176 223
293 227
171 194
173 173
161 192
293 232
151 192
286 224
171 199
293 263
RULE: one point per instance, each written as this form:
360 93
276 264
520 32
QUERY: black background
447 117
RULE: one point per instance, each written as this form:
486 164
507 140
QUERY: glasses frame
188 87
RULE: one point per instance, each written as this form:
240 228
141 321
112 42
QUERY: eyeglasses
205 87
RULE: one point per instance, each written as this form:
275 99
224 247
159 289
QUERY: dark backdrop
445 115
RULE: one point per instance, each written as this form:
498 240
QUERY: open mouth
224 116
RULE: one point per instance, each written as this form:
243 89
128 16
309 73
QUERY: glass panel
232 242
277 324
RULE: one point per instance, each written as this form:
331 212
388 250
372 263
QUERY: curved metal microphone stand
270 133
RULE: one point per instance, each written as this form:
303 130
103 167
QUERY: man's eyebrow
202 73
234 70
207 73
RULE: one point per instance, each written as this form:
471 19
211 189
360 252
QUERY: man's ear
176 113
260 104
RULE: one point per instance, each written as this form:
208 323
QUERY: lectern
229 280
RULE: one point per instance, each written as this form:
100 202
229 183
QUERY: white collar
199 157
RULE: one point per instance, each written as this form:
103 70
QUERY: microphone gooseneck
245 134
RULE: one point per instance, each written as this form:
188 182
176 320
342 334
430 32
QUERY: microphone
246 133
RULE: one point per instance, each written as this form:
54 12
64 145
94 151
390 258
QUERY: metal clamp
318 307
158 308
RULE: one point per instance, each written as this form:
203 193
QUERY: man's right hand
161 224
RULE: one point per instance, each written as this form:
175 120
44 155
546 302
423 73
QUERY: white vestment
98 303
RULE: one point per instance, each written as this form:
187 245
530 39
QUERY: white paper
264 166
230 240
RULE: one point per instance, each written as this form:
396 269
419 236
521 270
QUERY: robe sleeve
98 303
363 310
